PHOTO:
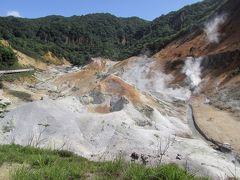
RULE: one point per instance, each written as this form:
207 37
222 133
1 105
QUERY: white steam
142 73
14 14
212 28
192 69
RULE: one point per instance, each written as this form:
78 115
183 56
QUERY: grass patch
62 165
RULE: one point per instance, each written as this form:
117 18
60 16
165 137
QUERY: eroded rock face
117 103
97 96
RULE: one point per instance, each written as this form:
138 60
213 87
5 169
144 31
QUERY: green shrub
7 57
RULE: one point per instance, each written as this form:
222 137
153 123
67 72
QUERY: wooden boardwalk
16 71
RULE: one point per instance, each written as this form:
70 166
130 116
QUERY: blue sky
147 9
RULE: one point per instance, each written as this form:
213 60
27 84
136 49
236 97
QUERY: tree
7 57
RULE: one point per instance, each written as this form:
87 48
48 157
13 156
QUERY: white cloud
13 13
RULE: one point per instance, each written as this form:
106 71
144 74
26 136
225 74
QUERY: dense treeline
78 38
7 57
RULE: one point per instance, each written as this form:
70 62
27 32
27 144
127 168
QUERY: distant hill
78 38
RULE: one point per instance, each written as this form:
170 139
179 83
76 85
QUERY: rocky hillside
217 43
106 110
216 66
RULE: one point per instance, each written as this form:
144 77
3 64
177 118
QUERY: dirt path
216 124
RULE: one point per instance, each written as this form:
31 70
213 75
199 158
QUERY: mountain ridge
101 34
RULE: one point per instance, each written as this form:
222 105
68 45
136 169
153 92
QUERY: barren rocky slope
105 110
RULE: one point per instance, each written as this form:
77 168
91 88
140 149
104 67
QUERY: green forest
7 57
78 38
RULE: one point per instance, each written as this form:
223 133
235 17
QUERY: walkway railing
15 71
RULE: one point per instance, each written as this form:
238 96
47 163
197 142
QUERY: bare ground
216 124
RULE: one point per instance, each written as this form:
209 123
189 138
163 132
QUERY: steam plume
192 69
143 74
212 28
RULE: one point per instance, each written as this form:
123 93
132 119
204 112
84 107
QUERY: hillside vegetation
78 38
31 163
7 57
